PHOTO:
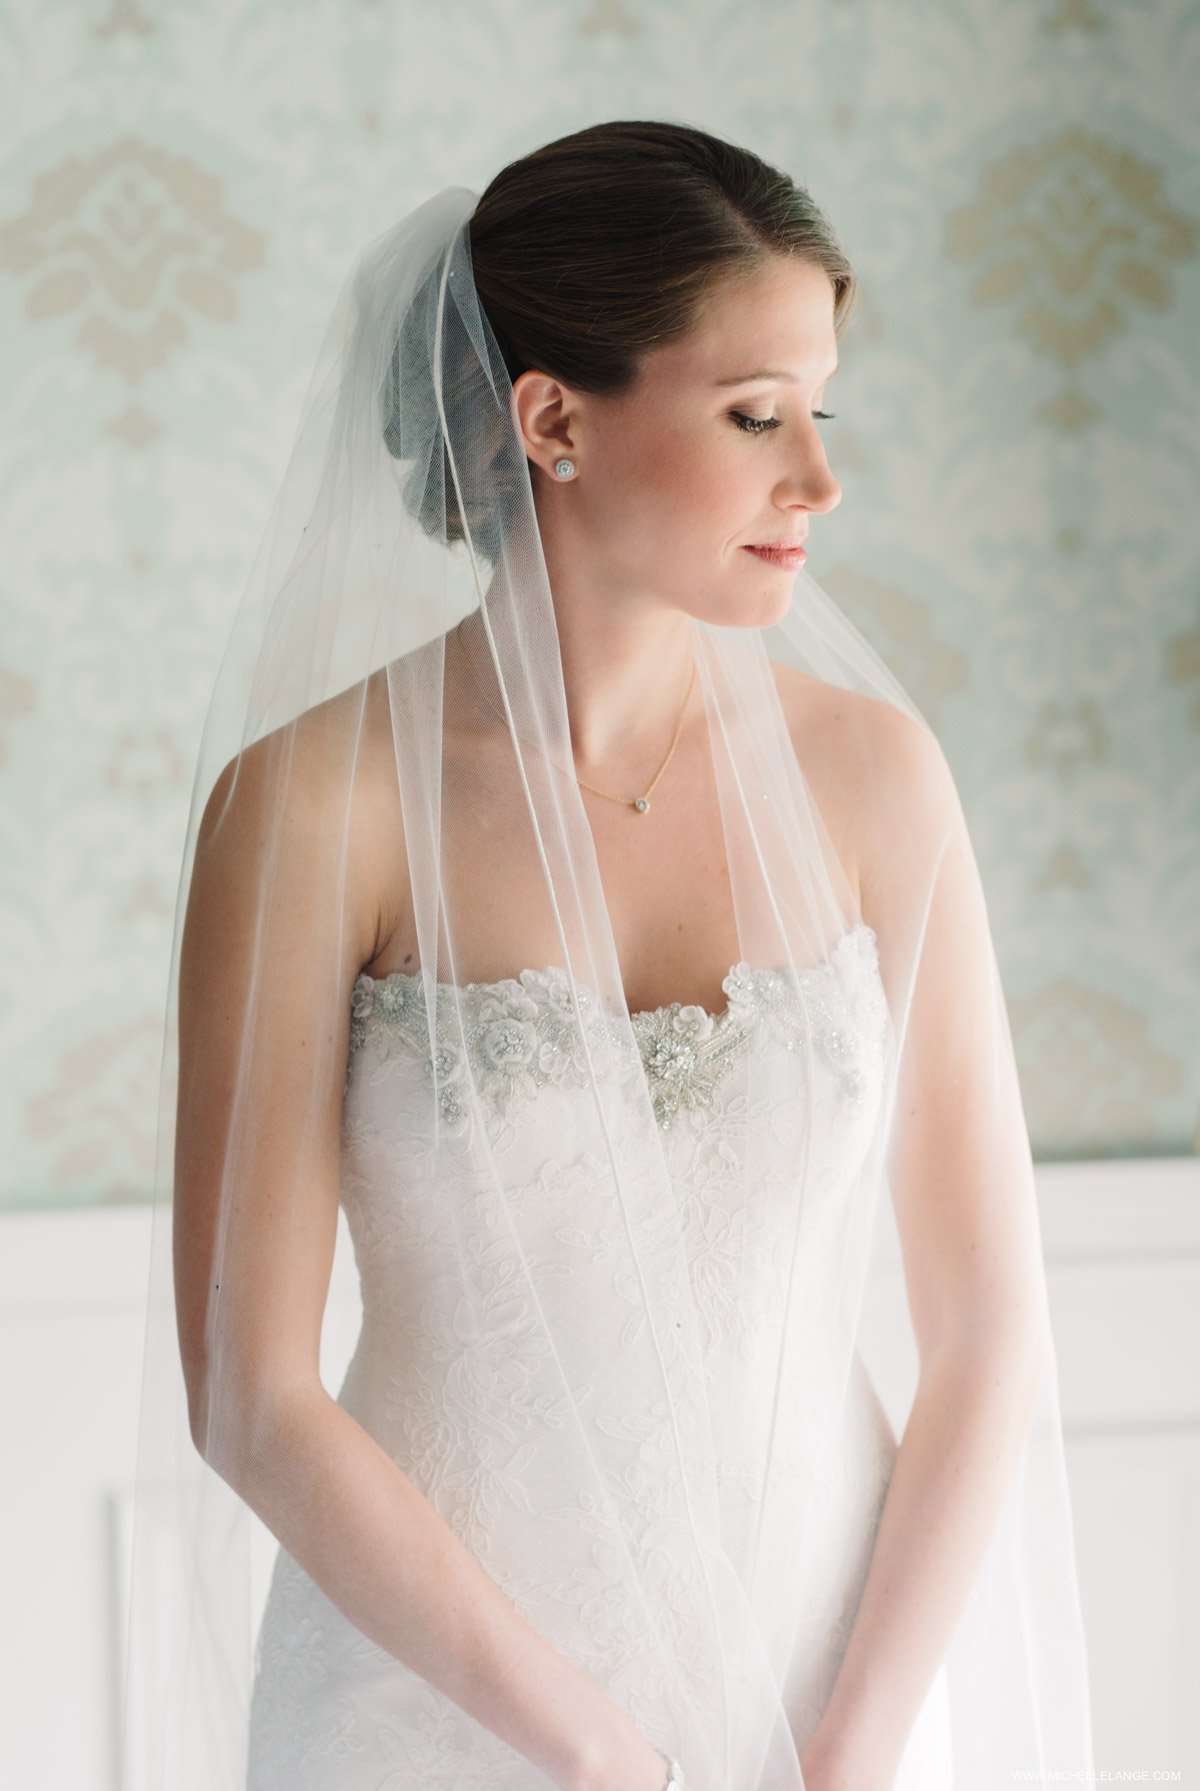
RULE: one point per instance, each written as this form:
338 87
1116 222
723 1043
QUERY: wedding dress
463 1409
613 1268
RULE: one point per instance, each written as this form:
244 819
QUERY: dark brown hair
596 249
601 246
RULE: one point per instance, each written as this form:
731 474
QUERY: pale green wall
1018 440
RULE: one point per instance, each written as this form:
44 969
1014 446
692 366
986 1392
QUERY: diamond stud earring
564 468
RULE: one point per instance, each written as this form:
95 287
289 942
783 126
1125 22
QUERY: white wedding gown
331 1711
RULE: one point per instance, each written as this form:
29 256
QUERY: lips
781 554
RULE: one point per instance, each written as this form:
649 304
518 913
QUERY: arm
256 1215
373 1543
962 1185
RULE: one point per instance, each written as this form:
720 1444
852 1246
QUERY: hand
629 1763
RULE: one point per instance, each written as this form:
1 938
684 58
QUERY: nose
817 489
830 494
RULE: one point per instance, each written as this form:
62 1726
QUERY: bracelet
674 1773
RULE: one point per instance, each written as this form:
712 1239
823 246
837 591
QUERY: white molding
1122 1245
1124 1209
1118 1209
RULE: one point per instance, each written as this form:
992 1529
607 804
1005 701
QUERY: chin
764 611
761 609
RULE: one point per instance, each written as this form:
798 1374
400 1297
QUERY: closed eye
760 425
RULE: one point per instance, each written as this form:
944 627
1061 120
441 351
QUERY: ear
547 415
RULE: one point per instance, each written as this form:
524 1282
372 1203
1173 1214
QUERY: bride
574 898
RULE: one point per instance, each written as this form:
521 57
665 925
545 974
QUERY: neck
625 676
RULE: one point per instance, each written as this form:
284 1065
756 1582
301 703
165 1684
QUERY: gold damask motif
1071 235
1089 1068
132 239
1183 667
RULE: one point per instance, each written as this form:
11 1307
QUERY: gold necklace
641 804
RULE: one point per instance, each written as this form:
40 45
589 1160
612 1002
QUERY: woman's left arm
961 1178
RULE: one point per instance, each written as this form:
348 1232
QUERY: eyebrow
745 379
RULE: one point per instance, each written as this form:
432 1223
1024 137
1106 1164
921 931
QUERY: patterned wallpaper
1018 440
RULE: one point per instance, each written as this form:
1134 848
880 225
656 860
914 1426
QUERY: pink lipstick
789 558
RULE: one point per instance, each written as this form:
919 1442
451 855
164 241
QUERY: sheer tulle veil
407 506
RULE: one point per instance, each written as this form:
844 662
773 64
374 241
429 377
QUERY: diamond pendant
641 804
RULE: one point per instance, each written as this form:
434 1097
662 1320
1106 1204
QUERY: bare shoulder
875 770
339 771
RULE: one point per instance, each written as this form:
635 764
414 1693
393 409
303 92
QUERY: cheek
695 483
666 456
665 477
717 474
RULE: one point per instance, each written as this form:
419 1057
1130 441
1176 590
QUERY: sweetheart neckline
643 1013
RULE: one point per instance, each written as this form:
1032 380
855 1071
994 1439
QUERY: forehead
779 316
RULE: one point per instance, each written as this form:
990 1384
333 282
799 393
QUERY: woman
577 901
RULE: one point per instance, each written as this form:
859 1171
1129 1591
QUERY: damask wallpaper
182 188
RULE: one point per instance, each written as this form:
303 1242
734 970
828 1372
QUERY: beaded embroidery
521 1033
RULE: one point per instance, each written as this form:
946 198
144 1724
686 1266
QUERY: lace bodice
467 1397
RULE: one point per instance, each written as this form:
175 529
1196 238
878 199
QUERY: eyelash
762 425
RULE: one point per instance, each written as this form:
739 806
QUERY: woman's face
679 477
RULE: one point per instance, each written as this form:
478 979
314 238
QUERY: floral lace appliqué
513 1037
